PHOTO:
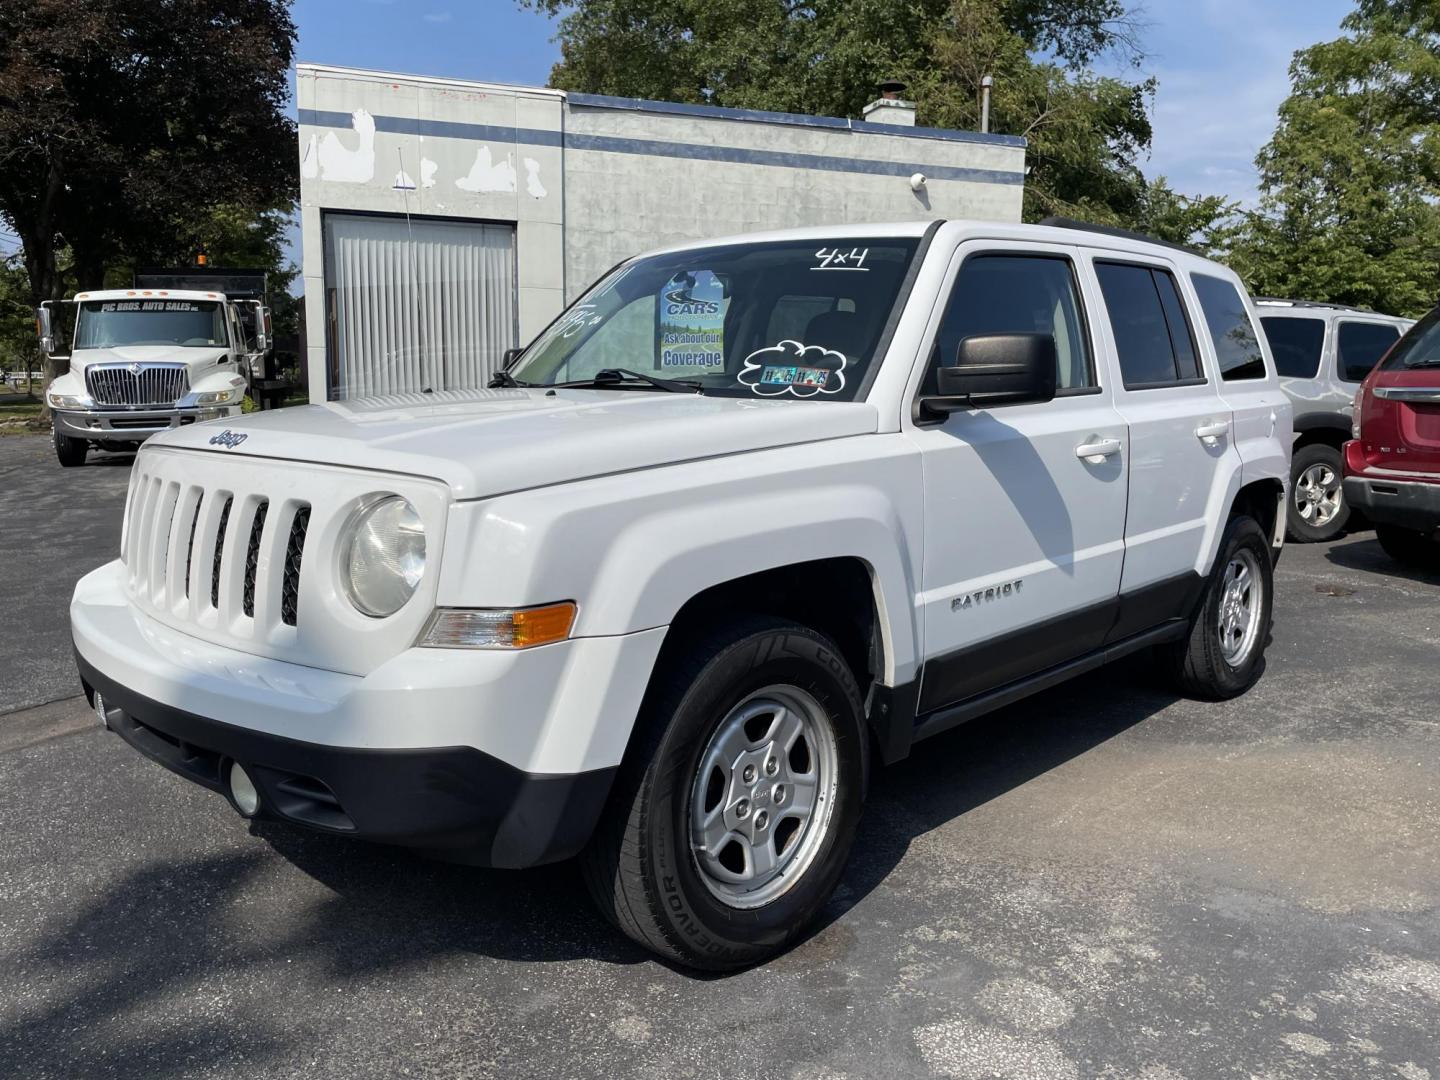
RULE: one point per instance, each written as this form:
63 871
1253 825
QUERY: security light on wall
917 181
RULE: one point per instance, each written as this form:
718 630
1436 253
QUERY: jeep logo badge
228 439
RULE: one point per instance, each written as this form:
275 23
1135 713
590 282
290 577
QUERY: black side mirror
996 369
511 355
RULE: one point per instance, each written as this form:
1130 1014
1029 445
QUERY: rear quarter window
1360 345
1236 346
1295 344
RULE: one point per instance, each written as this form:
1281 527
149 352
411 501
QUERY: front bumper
501 758
131 425
455 800
1407 503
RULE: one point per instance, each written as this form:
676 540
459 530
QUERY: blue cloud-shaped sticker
792 368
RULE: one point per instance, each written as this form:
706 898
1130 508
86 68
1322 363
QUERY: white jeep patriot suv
748 517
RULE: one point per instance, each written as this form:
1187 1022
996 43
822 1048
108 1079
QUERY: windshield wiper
614 376
504 380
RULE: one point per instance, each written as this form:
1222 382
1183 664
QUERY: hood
148 354
486 442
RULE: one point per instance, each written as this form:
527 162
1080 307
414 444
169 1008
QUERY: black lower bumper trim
1406 503
453 800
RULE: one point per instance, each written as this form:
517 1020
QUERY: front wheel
1318 510
1222 655
734 814
70 452
1409 546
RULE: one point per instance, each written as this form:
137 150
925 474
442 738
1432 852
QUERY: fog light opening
242 791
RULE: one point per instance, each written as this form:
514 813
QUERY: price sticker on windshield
841 259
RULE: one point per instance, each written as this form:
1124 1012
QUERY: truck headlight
498 628
219 397
383 556
65 401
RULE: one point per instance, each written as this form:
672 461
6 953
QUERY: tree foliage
826 56
125 124
1349 181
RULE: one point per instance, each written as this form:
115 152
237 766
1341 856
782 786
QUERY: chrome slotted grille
137 384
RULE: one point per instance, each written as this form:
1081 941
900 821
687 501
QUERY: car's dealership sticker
790 367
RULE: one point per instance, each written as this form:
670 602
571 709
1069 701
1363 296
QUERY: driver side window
1008 294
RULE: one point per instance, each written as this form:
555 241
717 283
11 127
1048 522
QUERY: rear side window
1361 345
1236 346
1008 294
1152 332
1295 344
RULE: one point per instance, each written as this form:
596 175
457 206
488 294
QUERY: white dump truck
147 360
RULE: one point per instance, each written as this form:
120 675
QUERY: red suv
1392 463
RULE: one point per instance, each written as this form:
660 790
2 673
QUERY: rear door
1258 407
1180 432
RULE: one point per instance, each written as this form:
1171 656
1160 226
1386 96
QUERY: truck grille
137 384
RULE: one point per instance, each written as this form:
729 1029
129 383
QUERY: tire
642 867
1409 546
1213 661
1317 509
71 452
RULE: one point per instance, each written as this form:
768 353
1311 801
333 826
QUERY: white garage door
423 305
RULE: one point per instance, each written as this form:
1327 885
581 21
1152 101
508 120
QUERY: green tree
123 123
826 57
1349 181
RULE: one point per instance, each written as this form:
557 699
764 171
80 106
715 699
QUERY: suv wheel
1408 546
734 813
1221 657
71 452
1318 510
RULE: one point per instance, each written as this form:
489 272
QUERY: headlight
383 557
65 401
498 628
219 397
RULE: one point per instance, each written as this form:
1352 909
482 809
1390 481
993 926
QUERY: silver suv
1322 353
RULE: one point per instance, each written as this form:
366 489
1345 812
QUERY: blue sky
1222 65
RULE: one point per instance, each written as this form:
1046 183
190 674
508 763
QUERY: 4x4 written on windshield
752 320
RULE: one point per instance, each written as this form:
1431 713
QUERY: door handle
1213 431
1095 452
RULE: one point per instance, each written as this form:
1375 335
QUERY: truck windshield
791 319
109 324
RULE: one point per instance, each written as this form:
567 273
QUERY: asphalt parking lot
1104 881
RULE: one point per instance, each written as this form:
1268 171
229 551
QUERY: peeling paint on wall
403 181
329 159
487 175
427 172
532 178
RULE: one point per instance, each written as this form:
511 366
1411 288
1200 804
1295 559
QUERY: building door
417 306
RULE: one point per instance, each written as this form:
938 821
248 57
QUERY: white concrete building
443 222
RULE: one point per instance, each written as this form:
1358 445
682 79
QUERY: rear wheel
1318 510
1223 652
1409 546
734 814
71 452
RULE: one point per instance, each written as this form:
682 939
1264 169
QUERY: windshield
794 319
1420 347
108 324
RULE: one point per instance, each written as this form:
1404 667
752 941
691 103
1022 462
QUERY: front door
1024 504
